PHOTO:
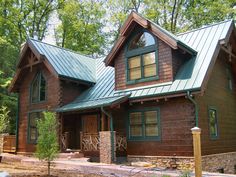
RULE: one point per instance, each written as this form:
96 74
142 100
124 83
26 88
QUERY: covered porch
94 130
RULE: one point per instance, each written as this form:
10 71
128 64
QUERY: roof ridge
205 26
70 50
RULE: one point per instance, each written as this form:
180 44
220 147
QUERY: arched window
141 57
38 89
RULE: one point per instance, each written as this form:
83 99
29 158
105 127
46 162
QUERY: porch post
197 151
103 122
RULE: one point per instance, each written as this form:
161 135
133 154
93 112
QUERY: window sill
154 138
142 80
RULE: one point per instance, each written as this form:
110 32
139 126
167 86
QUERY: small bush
47 147
185 174
4 119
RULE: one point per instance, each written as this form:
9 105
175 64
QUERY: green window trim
141 52
31 127
143 136
213 123
41 96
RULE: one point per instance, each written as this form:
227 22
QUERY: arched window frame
38 78
140 52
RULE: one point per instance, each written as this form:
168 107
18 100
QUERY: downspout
195 105
17 120
112 132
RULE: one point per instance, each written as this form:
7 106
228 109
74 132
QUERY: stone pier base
105 147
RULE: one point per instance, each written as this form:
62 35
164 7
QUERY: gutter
112 133
190 97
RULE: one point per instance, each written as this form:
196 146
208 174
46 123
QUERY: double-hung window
32 126
213 124
141 55
144 125
38 89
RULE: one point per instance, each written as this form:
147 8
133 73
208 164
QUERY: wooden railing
89 141
121 142
9 143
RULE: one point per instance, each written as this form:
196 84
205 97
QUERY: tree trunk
49 163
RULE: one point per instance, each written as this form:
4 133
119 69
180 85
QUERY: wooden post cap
196 129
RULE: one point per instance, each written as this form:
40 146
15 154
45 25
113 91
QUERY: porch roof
91 104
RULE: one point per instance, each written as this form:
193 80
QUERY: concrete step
70 155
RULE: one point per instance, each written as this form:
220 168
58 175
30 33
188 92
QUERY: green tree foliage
22 18
81 26
117 13
199 12
8 100
4 119
173 15
18 20
47 146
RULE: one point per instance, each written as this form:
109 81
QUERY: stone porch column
105 147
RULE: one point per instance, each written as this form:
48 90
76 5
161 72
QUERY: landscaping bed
16 169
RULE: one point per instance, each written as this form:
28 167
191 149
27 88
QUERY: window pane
35 90
33 134
136 130
42 89
150 70
151 126
134 62
150 117
151 130
135 118
213 122
33 117
135 73
149 58
141 40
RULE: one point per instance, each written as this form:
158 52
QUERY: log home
141 100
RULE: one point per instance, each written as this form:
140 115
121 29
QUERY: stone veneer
214 162
173 162
106 148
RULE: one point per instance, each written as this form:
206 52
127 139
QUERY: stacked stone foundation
172 162
219 162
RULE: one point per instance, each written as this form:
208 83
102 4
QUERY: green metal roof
189 77
91 104
67 63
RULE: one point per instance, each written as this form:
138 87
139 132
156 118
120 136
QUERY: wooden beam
229 51
31 65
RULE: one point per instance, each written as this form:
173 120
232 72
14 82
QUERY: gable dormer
146 54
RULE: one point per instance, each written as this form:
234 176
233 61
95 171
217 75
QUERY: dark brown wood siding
165 72
223 99
70 91
52 101
176 119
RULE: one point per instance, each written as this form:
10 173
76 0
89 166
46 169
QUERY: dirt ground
18 170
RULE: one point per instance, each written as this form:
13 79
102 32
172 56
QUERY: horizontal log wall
219 96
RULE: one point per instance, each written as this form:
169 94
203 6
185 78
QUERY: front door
90 136
90 124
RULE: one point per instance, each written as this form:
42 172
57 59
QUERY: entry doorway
90 123
72 126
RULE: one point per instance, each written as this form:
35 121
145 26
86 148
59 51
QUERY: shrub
47 147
